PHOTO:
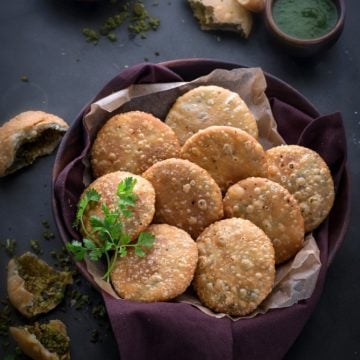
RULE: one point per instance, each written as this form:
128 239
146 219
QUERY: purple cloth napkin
180 331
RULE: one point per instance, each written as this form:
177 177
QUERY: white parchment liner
296 279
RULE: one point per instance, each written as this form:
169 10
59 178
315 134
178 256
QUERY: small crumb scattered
112 37
35 246
9 245
94 336
4 318
98 311
78 299
91 35
136 16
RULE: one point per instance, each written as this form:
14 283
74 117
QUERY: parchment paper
296 279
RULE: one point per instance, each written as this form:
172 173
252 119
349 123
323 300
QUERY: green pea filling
30 149
46 284
50 337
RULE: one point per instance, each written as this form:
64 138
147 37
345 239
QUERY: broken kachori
33 286
252 5
43 341
26 137
226 15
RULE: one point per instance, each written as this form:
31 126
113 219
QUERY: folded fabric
180 331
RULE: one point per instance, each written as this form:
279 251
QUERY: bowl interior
333 33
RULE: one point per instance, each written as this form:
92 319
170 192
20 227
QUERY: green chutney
305 19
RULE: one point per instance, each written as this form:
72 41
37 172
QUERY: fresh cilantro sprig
90 196
107 237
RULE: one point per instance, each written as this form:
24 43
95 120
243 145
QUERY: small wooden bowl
304 47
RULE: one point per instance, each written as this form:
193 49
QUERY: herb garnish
109 229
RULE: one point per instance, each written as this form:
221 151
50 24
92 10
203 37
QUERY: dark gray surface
42 40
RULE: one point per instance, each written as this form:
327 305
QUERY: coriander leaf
125 239
89 245
110 217
122 251
77 249
108 246
146 239
127 213
126 186
126 196
104 237
111 227
96 223
116 231
89 196
140 252
94 252
111 224
92 195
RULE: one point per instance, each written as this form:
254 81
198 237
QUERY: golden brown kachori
106 186
132 141
186 195
164 273
206 106
305 174
273 209
236 267
227 153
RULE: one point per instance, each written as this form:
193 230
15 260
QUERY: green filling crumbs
63 260
50 337
91 35
47 233
32 148
134 13
99 311
35 246
9 245
4 319
78 299
46 284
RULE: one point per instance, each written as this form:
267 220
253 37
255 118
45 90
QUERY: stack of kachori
224 212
